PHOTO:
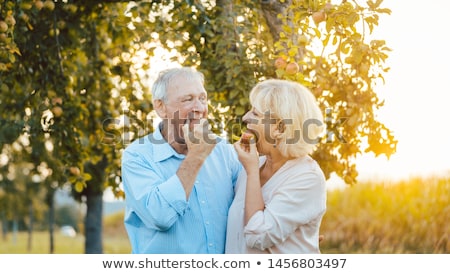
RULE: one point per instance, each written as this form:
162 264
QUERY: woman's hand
247 152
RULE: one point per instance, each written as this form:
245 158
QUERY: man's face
186 102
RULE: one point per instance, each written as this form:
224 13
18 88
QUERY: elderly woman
281 196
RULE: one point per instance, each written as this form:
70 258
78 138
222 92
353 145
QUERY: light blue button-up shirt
158 219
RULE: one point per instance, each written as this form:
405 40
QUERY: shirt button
203 202
207 222
210 244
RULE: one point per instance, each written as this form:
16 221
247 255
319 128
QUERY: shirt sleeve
157 202
297 201
236 166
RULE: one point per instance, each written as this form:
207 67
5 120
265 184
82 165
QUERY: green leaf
239 110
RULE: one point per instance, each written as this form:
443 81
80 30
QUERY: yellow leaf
15 50
87 176
79 187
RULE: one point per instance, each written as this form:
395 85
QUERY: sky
416 91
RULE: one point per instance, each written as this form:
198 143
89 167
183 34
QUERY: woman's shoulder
306 166
305 161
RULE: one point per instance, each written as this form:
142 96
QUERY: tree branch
271 9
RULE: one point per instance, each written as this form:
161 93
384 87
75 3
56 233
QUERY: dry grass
404 217
115 240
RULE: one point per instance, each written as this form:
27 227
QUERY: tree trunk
94 207
4 227
93 224
271 10
15 229
30 228
51 219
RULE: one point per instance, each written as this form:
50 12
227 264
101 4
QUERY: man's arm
188 171
200 144
156 200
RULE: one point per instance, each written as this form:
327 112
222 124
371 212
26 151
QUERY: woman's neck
272 164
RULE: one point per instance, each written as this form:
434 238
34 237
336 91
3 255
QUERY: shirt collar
161 149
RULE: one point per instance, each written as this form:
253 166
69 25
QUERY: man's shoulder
143 142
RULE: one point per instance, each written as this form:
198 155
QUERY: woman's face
262 126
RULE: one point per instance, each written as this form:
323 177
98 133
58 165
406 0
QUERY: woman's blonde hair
296 108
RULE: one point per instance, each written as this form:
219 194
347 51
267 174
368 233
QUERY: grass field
403 217
63 245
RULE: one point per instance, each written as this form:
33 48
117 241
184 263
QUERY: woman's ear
160 108
279 129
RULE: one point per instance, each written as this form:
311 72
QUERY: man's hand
199 140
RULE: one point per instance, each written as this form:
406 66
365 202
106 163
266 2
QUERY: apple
328 6
3 26
52 32
49 4
3 37
61 24
57 101
302 39
319 16
74 171
317 91
280 63
4 88
57 111
39 4
10 20
364 68
247 138
72 8
292 68
26 6
24 17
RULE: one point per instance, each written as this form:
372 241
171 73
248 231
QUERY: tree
58 93
75 88
328 46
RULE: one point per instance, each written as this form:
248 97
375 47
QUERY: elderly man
179 180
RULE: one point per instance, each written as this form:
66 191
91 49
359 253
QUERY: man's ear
160 108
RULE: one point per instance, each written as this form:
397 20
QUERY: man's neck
180 148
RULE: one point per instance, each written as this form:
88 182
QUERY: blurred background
75 79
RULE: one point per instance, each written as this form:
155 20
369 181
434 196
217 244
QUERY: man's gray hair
165 77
